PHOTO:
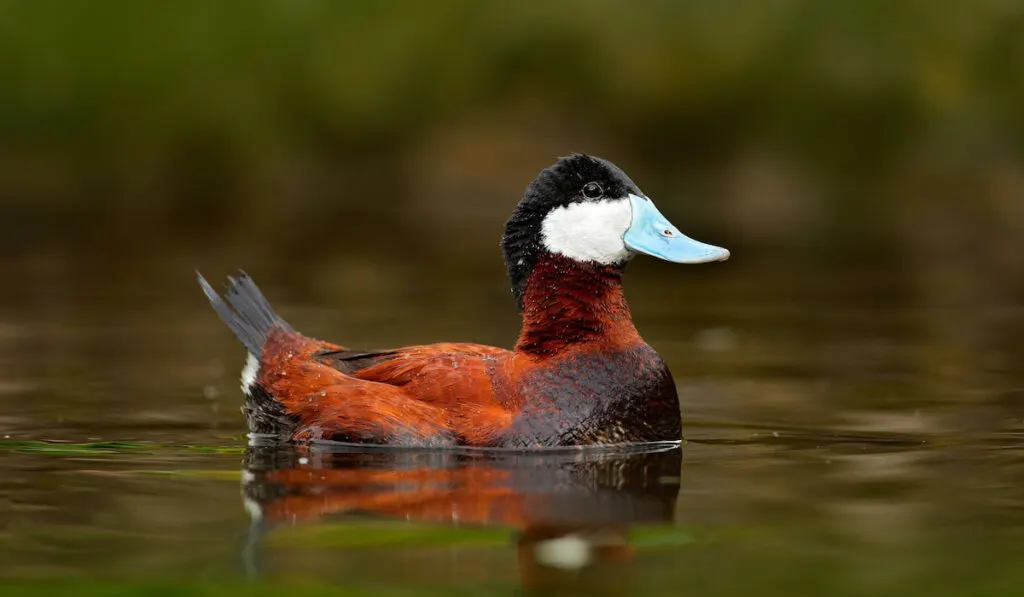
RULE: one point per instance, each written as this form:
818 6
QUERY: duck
578 375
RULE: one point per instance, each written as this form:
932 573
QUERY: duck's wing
367 364
350 361
433 395
457 378
311 400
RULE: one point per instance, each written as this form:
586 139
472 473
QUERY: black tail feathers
246 311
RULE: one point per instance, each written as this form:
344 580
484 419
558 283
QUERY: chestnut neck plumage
567 303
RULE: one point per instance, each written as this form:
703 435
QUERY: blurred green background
881 129
863 161
854 370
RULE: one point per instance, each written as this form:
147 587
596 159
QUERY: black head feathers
572 179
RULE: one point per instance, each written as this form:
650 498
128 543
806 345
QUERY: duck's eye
592 190
667 232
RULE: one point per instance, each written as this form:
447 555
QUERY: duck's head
586 209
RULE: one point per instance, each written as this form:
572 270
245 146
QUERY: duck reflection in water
570 510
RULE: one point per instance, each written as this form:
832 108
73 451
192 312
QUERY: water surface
850 431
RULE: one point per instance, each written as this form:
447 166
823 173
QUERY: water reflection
569 512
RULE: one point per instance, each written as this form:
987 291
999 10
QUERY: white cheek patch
252 368
589 231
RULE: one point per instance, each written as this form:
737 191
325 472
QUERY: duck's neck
567 303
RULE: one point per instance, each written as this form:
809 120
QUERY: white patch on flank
249 373
589 231
567 553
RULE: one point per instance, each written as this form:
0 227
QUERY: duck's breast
622 395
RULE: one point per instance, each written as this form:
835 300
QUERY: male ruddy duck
580 374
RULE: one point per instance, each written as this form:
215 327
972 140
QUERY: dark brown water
852 429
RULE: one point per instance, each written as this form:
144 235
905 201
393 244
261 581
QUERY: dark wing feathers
351 361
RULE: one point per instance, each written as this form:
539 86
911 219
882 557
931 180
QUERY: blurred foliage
774 121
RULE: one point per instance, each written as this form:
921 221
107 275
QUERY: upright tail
246 311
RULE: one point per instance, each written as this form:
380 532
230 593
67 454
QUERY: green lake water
850 431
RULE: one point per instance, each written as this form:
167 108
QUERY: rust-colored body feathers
579 374
542 393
